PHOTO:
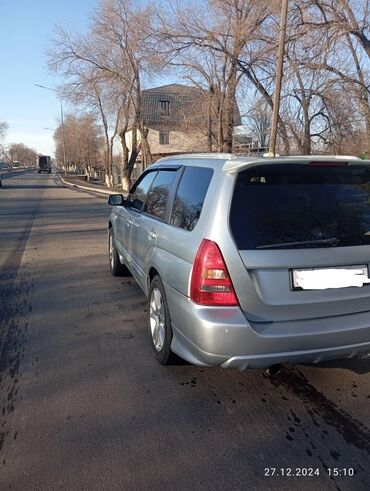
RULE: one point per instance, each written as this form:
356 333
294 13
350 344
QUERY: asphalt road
84 404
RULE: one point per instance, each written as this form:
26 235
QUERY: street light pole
279 77
62 120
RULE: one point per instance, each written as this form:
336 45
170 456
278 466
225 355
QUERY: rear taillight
210 280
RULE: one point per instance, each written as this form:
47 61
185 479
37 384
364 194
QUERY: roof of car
231 163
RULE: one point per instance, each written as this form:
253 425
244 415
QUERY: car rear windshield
298 206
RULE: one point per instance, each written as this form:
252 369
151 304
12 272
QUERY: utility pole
279 78
62 121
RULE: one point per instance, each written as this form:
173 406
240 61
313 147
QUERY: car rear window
298 206
190 197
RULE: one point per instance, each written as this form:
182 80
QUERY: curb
86 188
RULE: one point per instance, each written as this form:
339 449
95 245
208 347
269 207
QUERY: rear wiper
333 241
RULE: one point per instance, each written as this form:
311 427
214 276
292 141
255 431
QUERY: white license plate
325 278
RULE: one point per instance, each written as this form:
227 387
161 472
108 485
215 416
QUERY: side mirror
137 204
116 200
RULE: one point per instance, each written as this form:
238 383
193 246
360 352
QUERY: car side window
190 197
159 192
138 195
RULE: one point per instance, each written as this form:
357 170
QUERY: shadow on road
356 365
28 186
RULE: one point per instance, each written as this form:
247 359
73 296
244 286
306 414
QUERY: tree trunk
128 162
126 175
124 162
220 124
209 123
363 92
230 107
366 112
145 148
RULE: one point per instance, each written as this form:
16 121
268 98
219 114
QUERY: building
176 116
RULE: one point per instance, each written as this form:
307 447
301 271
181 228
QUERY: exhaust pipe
273 370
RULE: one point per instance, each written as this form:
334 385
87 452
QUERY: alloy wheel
111 258
157 319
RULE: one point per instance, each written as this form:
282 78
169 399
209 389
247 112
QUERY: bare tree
350 17
223 30
22 153
119 46
3 129
258 121
341 30
222 46
95 91
205 113
83 141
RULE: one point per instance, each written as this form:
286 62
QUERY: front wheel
160 331
116 268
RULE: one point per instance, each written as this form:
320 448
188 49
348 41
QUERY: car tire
116 268
160 330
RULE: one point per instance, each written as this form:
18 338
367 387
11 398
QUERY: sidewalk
100 189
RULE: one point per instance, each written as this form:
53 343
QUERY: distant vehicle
3 166
43 164
249 262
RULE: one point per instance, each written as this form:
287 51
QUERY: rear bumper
309 356
212 336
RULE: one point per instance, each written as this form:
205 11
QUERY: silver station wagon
249 262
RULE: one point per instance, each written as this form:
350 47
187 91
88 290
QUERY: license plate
335 277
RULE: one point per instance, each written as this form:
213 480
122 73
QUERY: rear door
288 217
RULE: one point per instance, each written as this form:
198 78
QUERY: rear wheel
116 268
160 331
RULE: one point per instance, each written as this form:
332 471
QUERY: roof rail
206 155
312 157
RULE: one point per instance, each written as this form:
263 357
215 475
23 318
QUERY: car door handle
152 234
